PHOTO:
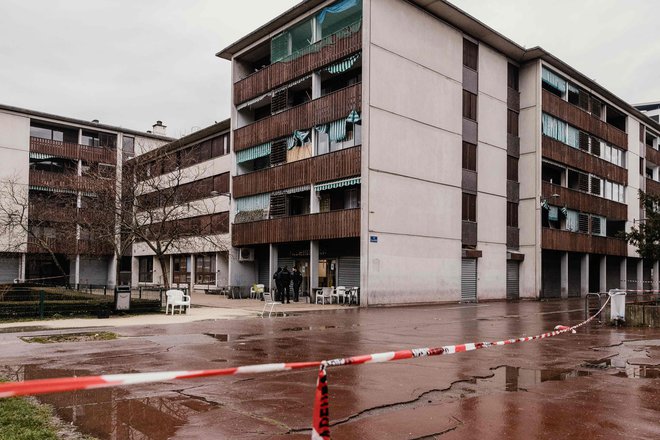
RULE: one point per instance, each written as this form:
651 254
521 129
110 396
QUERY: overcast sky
130 63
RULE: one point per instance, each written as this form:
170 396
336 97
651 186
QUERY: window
512 123
469 156
512 168
597 225
68 135
583 223
128 145
513 77
146 269
469 105
470 54
180 269
469 207
512 214
205 269
595 186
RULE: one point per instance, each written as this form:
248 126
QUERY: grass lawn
21 419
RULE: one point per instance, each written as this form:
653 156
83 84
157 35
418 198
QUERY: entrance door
303 268
512 279
469 279
327 273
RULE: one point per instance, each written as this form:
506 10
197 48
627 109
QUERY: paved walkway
205 307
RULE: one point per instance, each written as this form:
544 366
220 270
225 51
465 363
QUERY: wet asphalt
603 382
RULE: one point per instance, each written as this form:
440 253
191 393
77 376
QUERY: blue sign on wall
373 238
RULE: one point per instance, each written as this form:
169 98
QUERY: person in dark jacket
278 284
285 280
297 281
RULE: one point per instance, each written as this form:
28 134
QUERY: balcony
93 247
50 212
331 166
583 120
323 110
321 226
70 182
652 155
573 157
652 187
584 202
59 245
333 48
73 151
558 240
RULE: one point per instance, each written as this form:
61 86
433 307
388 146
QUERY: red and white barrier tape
321 418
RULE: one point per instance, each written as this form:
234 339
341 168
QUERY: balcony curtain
337 130
336 8
253 203
554 128
300 137
252 153
572 220
343 65
337 184
573 137
554 80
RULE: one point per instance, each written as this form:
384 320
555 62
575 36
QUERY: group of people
283 279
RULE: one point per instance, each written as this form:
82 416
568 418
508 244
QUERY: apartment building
182 199
54 169
409 149
650 109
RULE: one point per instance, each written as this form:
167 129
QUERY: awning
40 156
297 189
55 190
254 152
337 184
343 65
253 203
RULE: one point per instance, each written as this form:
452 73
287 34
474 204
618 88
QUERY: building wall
529 170
14 156
491 169
412 156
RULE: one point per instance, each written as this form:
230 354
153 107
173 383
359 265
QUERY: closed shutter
93 271
8 269
512 279
469 279
349 272
288 262
263 274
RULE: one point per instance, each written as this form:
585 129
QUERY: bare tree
42 222
168 204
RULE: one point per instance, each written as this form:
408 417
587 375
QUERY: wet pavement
602 382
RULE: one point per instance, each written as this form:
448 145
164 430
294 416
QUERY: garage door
349 272
8 269
469 279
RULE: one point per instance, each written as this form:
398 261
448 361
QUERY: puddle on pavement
633 360
109 414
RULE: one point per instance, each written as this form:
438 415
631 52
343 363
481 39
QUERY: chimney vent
159 128
95 121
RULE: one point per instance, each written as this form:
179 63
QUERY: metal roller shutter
288 262
469 279
8 269
512 279
263 276
349 272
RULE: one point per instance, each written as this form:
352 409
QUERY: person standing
278 284
285 280
297 281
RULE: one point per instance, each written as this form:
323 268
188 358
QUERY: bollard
42 298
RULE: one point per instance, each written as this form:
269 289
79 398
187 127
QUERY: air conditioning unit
246 254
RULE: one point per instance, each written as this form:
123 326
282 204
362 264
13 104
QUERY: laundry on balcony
337 184
252 153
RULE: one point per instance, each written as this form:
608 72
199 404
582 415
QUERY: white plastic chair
340 293
176 298
326 293
256 291
268 301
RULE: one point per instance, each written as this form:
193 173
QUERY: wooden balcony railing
573 157
330 49
567 241
51 212
73 151
325 225
326 109
331 166
652 155
652 187
94 247
70 182
59 245
583 120
584 202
